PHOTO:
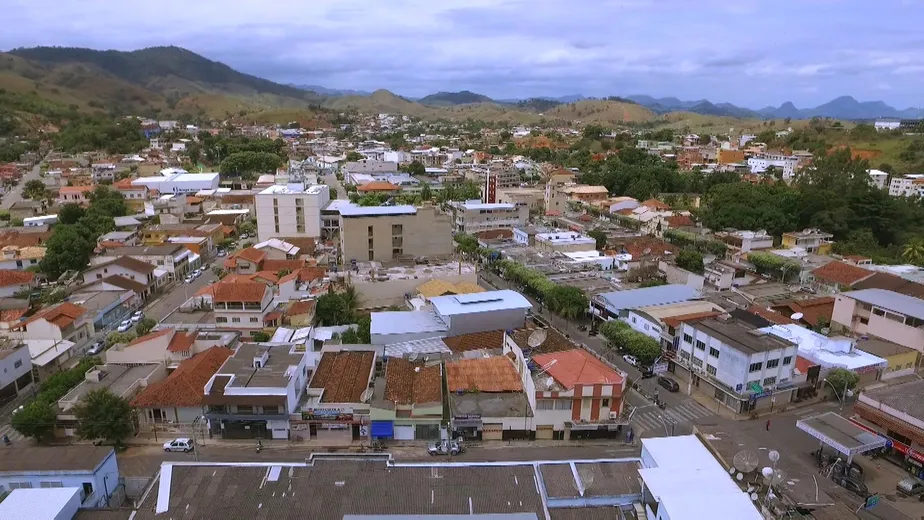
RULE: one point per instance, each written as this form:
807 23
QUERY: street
337 191
15 194
177 295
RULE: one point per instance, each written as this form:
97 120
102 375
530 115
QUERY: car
189 279
669 384
95 349
136 317
647 373
138 314
630 359
244 235
183 444
201 270
125 325
222 253
854 486
452 447
910 486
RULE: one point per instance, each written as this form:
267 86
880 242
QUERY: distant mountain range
331 92
844 107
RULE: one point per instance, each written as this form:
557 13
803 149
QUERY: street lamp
840 397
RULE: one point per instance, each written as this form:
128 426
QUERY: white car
244 235
189 279
182 444
197 273
125 325
630 359
136 317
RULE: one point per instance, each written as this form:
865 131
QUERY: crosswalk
6 429
680 416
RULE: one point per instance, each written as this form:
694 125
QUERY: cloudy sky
749 52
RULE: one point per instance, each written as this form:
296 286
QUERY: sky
749 52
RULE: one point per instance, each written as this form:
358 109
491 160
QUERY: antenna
366 395
537 338
745 461
796 316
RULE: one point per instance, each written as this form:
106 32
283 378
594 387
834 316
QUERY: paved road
15 195
332 181
178 294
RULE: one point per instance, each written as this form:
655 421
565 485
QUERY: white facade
878 178
907 185
17 363
887 125
786 163
293 210
472 216
93 483
175 180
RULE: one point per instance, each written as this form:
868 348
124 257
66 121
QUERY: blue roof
660 295
489 301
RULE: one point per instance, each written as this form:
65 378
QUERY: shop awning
841 434
382 429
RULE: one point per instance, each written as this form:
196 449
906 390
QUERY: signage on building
659 368
585 426
328 414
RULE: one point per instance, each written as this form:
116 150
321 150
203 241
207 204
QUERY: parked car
95 349
669 384
854 486
125 325
910 486
195 274
244 235
647 373
630 359
453 447
222 253
182 444
189 279
137 317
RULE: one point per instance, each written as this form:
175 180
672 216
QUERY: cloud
752 52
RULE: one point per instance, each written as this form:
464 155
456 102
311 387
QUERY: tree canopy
103 415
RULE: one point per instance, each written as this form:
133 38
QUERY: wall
288 222
427 233
9 372
74 479
676 275
641 324
899 364
376 295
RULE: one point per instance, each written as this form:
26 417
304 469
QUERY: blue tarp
383 429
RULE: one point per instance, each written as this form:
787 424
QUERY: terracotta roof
675 321
251 255
493 374
181 342
857 258
803 364
841 273
343 375
75 189
554 341
239 291
267 276
306 245
272 316
677 221
125 283
148 337
60 315
489 340
412 383
378 186
300 307
10 277
129 263
305 274
638 245
771 316
655 204
271 264
494 234
12 315
21 239
812 309
184 387
890 282
577 366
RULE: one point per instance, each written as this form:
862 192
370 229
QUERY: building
902 361
176 180
682 480
564 242
389 327
63 322
836 276
533 198
74 195
613 305
14 282
93 470
291 210
728 156
337 405
178 399
813 241
169 346
487 400
255 391
885 314
878 179
745 241
16 365
587 194
386 233
910 185
471 217
408 403
745 365
490 310
126 267
172 261
241 305
19 258
379 187
896 413
654 320
785 164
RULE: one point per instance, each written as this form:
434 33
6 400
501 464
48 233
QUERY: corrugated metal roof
488 301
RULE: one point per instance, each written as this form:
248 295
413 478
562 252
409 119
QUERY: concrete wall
376 295
676 275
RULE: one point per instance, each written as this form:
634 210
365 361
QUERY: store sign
328 414
659 368
585 426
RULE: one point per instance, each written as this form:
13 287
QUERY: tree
37 420
361 334
115 338
259 336
690 260
66 249
426 192
416 168
331 309
352 156
351 298
465 243
70 213
35 190
567 301
913 252
841 378
103 415
611 329
247 227
249 162
145 326
600 236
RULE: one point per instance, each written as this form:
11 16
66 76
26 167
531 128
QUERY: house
564 242
179 398
902 361
74 194
134 195
24 209
885 314
613 305
16 366
815 312
408 404
172 261
255 391
836 276
746 241
168 345
490 310
811 240
125 267
894 412
62 322
487 400
19 258
586 193
93 470
242 305
13 282
338 396
383 187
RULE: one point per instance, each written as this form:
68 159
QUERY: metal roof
403 322
488 301
893 301
840 434
661 295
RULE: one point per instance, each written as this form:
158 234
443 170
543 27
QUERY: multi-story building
587 193
174 260
472 216
878 179
16 363
812 241
885 314
241 305
786 164
291 210
744 241
74 194
177 180
385 233
894 412
255 391
910 185
564 242
743 364
54 335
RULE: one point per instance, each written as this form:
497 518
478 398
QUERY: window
646 326
397 229
769 381
773 363
397 251
235 320
605 402
370 231
787 360
755 367
687 338
878 312
51 484
20 485
633 319
17 364
750 384
684 355
864 321
545 404
700 345
244 409
562 404
710 370
270 409
697 362
714 352
87 489
254 320
221 319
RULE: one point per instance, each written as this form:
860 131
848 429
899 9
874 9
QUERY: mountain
464 97
169 79
331 92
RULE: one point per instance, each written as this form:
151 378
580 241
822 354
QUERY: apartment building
473 216
745 365
587 193
255 391
878 179
885 314
291 210
385 233
564 242
909 185
786 164
241 305
745 241
812 241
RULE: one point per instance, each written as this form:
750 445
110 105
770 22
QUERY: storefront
468 426
335 425
593 430
899 446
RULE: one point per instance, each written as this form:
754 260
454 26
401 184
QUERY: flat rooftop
82 458
274 373
294 189
119 379
379 271
488 301
740 336
490 404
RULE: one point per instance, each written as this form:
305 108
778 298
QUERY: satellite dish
754 496
740 476
774 456
537 338
797 316
412 357
416 369
367 394
549 382
745 461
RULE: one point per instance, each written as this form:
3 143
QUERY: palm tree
914 252
351 298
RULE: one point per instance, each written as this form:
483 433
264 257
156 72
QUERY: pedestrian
768 424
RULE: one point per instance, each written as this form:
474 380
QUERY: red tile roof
577 366
677 221
251 255
489 340
412 383
655 204
239 292
184 387
638 245
494 234
148 337
343 375
10 277
378 186
300 307
75 189
60 315
275 265
675 321
771 316
803 364
812 310
181 342
841 273
493 374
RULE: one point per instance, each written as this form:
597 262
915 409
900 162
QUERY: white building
92 470
828 352
474 216
176 180
886 125
291 210
480 312
878 178
784 163
907 185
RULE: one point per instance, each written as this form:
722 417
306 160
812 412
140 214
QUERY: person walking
768 424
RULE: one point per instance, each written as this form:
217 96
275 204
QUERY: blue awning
383 429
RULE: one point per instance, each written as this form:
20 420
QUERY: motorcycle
259 446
